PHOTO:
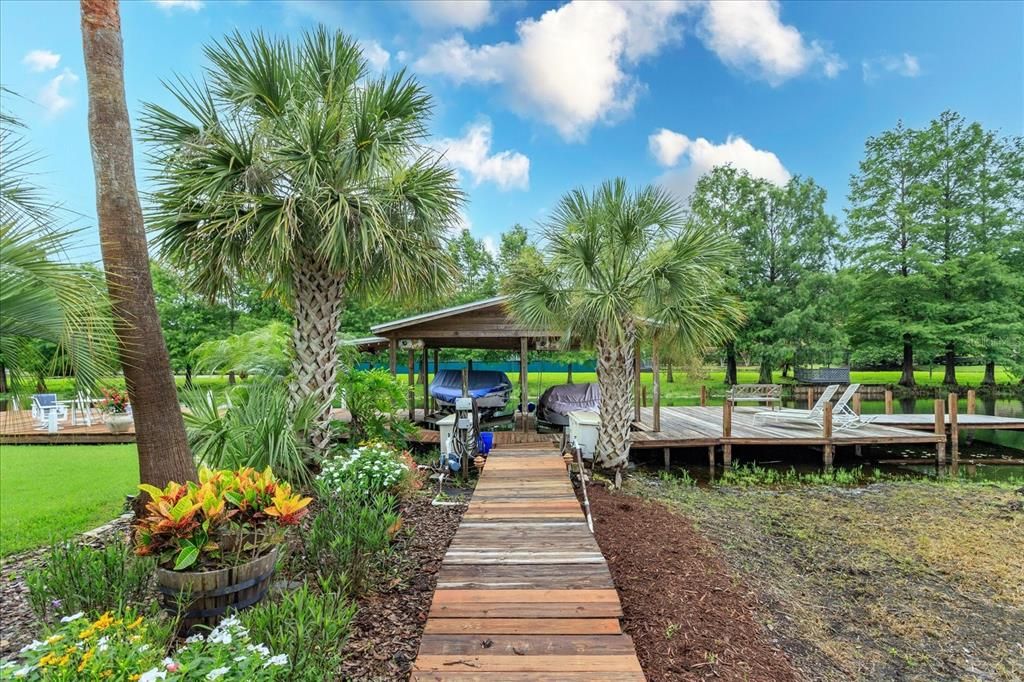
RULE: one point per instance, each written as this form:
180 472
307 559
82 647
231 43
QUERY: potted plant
115 404
216 542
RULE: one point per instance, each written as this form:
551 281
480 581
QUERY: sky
533 99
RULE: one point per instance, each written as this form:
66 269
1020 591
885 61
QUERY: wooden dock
524 592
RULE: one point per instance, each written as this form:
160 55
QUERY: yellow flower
47 660
106 673
134 624
85 659
104 621
134 677
54 638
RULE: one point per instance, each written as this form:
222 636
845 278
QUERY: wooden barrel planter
207 595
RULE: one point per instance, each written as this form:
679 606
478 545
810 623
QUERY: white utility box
446 425
583 429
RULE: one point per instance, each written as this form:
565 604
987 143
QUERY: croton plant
227 518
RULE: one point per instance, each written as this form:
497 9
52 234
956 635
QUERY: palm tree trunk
615 377
318 305
160 432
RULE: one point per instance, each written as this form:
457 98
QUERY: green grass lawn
51 492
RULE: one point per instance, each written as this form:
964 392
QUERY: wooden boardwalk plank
524 592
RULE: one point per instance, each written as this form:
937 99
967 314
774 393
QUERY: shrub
230 516
373 467
310 628
350 535
79 578
256 429
127 646
375 400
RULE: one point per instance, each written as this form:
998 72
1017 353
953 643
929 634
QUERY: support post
469 364
856 402
411 388
940 430
668 458
826 432
437 368
711 460
425 371
393 357
727 433
971 401
636 383
703 395
810 397
643 396
656 390
954 430
465 382
524 379
888 401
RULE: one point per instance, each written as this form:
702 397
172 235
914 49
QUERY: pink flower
173 667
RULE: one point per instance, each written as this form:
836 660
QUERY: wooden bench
768 394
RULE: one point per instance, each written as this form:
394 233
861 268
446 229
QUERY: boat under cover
558 401
491 389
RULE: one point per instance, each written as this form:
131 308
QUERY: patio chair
815 415
843 416
81 409
45 403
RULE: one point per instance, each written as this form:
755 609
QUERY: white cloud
51 98
171 5
466 14
569 67
906 65
749 35
489 244
702 156
41 60
376 55
667 146
472 153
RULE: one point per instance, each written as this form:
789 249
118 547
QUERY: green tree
513 242
622 268
476 267
291 163
891 260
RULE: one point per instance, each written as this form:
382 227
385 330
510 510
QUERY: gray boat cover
558 401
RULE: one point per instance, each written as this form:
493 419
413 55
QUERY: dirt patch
689 618
387 629
910 580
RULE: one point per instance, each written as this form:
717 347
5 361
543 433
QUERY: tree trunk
568 379
231 378
765 375
3 378
950 378
317 307
669 378
615 377
730 363
990 375
785 369
907 378
159 430
188 376
41 384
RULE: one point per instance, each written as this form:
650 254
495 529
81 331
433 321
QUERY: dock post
826 432
810 397
940 430
425 371
971 401
856 402
412 385
636 383
703 395
668 458
888 401
656 389
727 433
393 357
437 368
643 396
711 460
524 380
954 431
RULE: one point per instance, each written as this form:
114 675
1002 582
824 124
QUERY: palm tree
291 163
163 449
44 296
619 269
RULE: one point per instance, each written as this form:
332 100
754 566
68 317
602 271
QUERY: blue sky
532 99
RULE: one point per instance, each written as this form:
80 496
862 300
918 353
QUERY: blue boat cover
447 384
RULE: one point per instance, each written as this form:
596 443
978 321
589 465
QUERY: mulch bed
387 629
688 616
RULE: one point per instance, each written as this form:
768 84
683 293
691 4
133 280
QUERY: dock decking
524 592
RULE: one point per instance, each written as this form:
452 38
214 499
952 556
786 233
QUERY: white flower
73 617
167 661
153 675
102 645
261 649
144 648
7 664
239 659
22 672
229 622
280 659
220 637
193 639
215 673
32 646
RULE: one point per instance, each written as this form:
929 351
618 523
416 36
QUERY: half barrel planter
206 596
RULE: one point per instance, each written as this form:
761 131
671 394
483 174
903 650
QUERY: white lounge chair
815 415
843 416
47 411
81 409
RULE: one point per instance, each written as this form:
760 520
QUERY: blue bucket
486 441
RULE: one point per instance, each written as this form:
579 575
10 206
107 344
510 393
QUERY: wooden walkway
524 592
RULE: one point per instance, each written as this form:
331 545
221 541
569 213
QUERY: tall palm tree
292 163
620 269
44 296
163 449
